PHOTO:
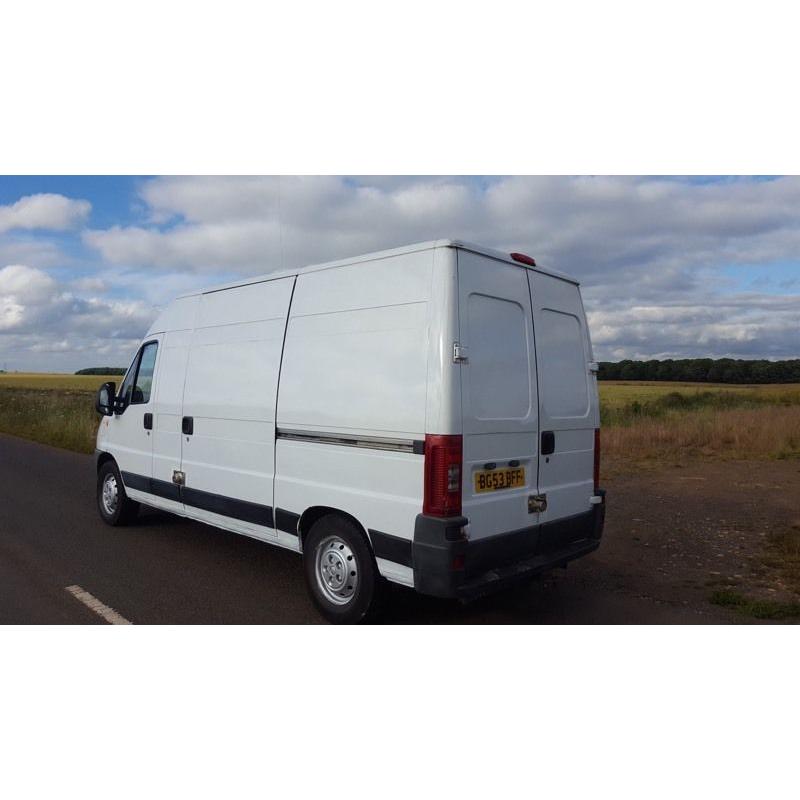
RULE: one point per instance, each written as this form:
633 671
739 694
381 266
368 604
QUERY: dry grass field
660 424
52 408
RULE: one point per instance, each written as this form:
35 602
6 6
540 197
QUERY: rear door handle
148 421
548 443
187 425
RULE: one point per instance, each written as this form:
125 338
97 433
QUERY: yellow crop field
616 394
55 380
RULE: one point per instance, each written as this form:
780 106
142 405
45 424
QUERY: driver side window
138 381
144 374
124 394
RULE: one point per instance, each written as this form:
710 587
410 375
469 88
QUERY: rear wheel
341 573
114 505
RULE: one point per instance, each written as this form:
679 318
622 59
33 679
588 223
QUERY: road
165 569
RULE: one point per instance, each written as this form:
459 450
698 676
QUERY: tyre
115 507
341 573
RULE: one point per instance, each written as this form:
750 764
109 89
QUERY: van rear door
568 397
499 395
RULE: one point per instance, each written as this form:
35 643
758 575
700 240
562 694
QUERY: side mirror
106 395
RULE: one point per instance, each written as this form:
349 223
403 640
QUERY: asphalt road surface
164 569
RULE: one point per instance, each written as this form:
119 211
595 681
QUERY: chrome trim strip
345 440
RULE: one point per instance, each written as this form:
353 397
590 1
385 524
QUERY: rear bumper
448 565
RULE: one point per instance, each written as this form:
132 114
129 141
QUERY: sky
669 267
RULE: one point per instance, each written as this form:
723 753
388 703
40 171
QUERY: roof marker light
523 259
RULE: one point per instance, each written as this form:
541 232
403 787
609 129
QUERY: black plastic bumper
448 565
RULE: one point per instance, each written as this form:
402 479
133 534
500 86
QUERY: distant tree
607 371
720 370
760 372
102 371
665 370
650 370
631 371
715 371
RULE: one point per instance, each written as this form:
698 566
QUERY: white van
426 415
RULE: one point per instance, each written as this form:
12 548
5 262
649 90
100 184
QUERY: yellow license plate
493 480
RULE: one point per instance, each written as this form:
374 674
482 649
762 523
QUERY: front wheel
341 573
114 505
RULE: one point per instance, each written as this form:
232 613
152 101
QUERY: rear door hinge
459 354
178 477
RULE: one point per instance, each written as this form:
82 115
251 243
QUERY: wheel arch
103 458
315 513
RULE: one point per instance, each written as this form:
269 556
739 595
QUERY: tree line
702 370
102 371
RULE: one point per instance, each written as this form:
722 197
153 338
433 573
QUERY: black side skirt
243 510
392 548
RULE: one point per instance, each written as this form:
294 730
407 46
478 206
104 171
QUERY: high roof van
426 416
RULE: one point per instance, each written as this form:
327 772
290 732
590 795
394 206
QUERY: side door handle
148 421
548 443
187 425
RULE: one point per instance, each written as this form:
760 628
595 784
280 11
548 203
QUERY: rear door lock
537 503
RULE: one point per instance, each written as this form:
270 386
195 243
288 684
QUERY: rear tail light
596 459
443 457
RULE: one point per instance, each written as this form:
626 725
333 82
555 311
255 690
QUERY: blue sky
670 267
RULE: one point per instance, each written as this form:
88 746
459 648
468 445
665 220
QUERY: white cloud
26 283
258 225
90 284
650 252
43 324
747 325
29 250
46 211
21 288
585 226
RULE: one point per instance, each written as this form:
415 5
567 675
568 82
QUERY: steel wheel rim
336 570
110 494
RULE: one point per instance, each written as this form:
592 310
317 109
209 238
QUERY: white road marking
90 601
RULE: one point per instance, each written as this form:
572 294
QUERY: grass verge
60 418
783 554
760 609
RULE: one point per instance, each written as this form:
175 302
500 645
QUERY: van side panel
230 394
179 315
355 349
443 393
355 367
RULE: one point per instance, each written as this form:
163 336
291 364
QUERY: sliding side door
228 419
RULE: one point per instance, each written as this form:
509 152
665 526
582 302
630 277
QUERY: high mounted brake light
523 259
442 494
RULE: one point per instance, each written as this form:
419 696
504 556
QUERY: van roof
380 254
